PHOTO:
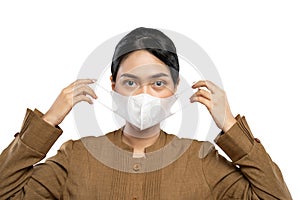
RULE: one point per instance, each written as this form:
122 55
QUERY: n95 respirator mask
142 110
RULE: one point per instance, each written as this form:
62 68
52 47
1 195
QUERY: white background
254 45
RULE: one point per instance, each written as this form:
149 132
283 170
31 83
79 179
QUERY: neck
140 139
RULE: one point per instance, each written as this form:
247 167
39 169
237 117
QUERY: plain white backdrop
254 45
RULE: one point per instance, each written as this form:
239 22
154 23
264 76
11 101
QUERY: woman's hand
215 100
69 96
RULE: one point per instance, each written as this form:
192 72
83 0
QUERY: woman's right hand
69 96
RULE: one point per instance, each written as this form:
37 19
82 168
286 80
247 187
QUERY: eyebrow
129 76
136 77
159 75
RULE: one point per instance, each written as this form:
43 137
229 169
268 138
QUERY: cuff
237 141
38 134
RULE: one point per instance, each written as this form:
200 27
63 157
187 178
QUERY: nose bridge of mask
145 106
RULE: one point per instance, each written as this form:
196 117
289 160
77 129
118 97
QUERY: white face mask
143 110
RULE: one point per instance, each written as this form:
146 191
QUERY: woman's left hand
215 100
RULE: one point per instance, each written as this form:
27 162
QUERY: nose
144 89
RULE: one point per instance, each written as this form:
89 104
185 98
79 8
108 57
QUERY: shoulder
199 148
85 143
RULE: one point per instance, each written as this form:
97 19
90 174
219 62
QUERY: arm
18 178
257 176
29 147
252 174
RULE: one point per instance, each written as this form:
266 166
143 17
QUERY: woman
144 70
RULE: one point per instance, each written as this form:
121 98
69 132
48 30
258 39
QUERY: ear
113 83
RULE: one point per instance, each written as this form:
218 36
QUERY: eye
130 83
159 83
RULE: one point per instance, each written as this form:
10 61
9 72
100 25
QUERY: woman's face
141 72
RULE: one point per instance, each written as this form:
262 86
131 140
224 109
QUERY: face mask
143 110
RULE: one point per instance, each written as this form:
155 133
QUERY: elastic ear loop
183 98
100 96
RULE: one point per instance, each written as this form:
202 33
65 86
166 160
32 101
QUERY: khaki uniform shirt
104 167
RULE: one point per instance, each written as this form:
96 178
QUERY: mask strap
182 100
104 96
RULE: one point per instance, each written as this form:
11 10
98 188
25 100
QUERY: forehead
142 62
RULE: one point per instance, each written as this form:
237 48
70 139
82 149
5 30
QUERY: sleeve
251 174
19 179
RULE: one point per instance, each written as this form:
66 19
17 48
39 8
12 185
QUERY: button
134 198
136 167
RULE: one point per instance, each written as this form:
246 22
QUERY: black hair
151 40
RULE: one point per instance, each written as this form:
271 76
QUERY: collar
116 138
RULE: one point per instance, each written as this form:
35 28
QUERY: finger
205 83
83 81
204 93
198 84
201 100
83 90
82 98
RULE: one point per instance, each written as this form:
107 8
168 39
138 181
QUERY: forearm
29 147
261 172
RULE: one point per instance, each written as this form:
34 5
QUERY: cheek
119 90
167 92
